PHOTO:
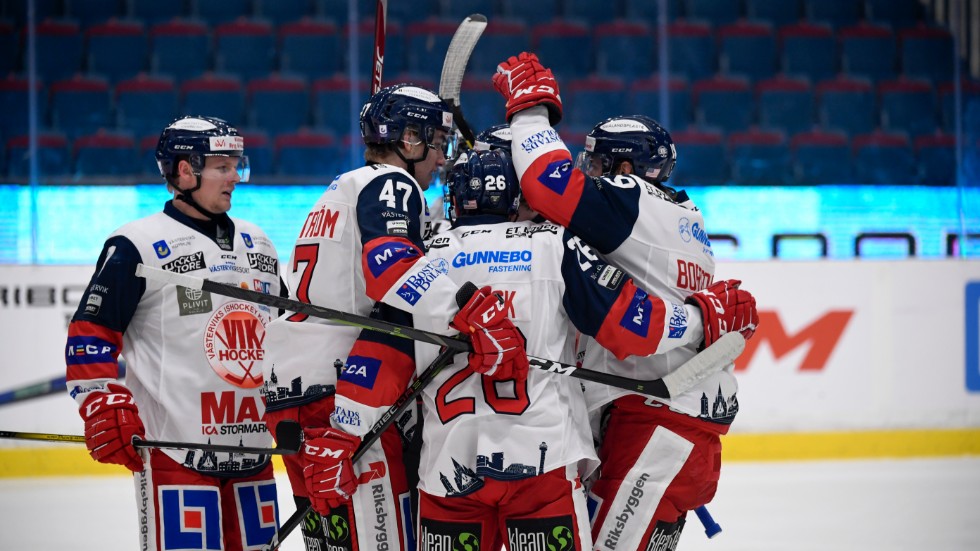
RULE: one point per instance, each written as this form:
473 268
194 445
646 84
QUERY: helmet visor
593 164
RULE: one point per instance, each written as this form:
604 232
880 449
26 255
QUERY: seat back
591 100
759 157
691 50
81 105
748 49
926 52
245 47
775 12
308 154
106 154
58 49
846 104
722 102
908 106
625 49
644 99
836 13
785 103
53 155
310 47
214 95
278 104
146 104
117 49
180 48
808 50
884 158
821 157
701 158
500 40
565 46
716 12
936 155
868 51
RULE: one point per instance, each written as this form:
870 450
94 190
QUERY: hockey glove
725 308
329 472
498 345
524 83
111 421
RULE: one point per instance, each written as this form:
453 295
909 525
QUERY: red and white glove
111 421
725 308
328 471
498 345
524 83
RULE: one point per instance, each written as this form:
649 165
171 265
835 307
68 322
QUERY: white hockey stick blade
709 361
460 48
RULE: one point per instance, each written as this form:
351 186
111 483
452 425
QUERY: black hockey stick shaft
44 388
695 369
387 418
287 433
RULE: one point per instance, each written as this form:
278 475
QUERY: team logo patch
88 350
193 301
637 316
161 248
263 263
387 254
555 176
677 325
552 533
248 240
191 517
233 344
186 263
338 528
361 371
260 511
417 284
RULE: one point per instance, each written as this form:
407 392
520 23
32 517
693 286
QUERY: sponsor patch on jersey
383 256
190 517
344 416
418 283
248 240
93 304
540 139
186 263
233 343
555 176
530 231
396 227
338 528
450 536
637 316
161 248
688 231
89 350
259 511
439 243
677 325
534 534
491 257
610 277
361 371
193 301
264 287
263 263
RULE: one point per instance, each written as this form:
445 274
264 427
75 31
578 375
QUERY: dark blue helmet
634 138
195 138
495 137
393 109
483 182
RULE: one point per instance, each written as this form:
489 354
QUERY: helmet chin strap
410 163
186 197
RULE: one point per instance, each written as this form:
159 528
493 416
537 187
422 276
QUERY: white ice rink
882 505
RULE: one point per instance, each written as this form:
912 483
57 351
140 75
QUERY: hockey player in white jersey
660 458
502 458
194 358
360 250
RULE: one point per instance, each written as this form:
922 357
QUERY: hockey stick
380 30
454 66
709 361
43 388
287 434
387 418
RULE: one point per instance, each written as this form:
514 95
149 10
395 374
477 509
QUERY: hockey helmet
637 139
194 138
495 137
483 182
392 110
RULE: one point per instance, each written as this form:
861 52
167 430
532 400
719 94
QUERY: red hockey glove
498 345
328 471
111 421
524 83
725 308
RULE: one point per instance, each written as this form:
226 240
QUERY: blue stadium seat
908 106
181 48
936 154
261 157
93 12
406 12
481 104
644 98
590 10
14 106
836 13
884 158
846 104
426 43
117 49
868 51
81 105
785 103
332 105
53 155
310 47
592 99
947 97
145 104
808 50
691 50
645 11
215 13
534 13
214 95
759 157
723 102
307 154
245 47
458 9
16 10
926 52
155 11
747 48
625 49
147 157
9 48
775 12
894 13
278 104
821 157
284 11
105 154
501 39
59 48
716 12
701 158
565 46
395 57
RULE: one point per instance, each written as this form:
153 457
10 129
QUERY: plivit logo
972 336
